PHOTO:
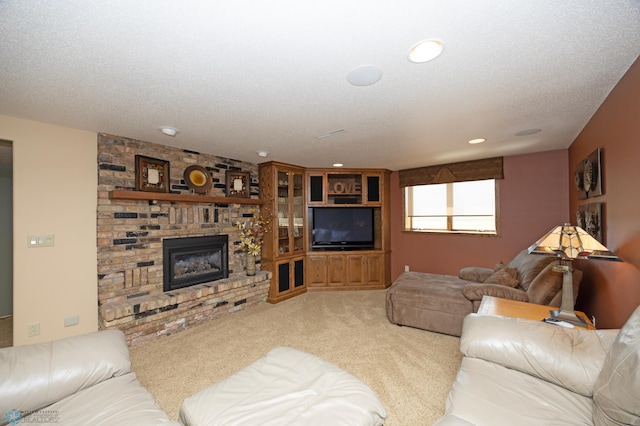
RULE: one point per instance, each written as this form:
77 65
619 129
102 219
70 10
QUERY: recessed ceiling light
169 131
528 132
476 141
262 153
425 51
338 164
364 75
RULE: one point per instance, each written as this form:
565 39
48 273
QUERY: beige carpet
410 370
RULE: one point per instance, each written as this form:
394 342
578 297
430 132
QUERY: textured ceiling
236 77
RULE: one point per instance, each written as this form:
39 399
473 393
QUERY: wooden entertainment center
290 195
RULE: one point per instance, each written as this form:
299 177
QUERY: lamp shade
571 242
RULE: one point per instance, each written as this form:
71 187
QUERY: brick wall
130 234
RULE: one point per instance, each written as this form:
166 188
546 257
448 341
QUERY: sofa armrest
475 274
571 358
35 376
477 291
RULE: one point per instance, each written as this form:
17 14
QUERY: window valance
488 168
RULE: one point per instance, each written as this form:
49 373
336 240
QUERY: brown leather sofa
439 303
81 380
529 373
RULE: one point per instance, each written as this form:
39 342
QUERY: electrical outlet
69 321
593 320
34 329
406 268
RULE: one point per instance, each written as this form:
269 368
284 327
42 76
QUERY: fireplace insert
194 260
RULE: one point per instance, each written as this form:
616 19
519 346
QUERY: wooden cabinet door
336 270
374 267
355 269
316 271
297 265
373 187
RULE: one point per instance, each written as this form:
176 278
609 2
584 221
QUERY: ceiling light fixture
476 141
425 51
262 153
169 131
338 164
364 75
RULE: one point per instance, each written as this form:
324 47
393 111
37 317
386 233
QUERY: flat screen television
343 228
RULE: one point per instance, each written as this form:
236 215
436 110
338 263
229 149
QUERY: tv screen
343 227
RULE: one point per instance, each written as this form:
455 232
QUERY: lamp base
568 316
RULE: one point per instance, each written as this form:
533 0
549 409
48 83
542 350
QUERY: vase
251 265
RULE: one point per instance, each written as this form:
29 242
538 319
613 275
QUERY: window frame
449 230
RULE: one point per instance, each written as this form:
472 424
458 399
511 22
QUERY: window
458 207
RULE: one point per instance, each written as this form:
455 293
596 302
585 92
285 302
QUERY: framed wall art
588 176
237 184
152 174
589 218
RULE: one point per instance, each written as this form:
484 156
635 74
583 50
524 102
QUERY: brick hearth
130 234
146 317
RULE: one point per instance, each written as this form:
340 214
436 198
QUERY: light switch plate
46 240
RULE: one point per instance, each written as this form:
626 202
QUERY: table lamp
570 242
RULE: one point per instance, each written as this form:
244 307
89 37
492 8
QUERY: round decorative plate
198 179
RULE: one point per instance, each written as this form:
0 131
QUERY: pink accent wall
611 291
533 199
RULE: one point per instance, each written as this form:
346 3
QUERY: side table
512 308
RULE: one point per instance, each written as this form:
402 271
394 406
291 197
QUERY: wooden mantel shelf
122 194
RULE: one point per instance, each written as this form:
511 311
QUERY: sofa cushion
476 291
485 393
505 276
568 357
34 376
475 273
118 401
428 301
529 266
617 390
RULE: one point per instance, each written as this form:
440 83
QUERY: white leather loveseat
523 372
82 380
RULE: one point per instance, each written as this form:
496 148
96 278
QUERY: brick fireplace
131 235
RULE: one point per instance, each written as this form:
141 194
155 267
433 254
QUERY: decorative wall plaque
237 184
152 174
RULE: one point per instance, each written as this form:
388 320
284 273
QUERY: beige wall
54 192
611 290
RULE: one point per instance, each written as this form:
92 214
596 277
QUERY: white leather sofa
82 380
523 372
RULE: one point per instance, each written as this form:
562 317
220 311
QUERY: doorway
6 243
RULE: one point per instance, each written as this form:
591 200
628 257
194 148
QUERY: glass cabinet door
283 213
298 213
290 208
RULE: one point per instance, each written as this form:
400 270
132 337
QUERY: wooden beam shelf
122 194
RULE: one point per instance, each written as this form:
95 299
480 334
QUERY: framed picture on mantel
152 174
237 184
